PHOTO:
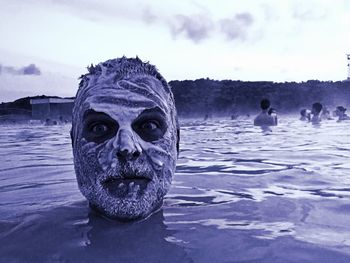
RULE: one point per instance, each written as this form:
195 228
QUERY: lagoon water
239 195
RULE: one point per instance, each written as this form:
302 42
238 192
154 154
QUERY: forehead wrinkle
143 89
118 110
130 92
151 83
117 103
126 98
139 84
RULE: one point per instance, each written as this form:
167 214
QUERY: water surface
239 195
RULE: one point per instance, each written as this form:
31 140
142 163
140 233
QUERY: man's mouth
126 187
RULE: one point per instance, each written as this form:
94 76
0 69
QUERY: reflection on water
240 195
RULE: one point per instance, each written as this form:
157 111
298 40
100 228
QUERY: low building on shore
52 108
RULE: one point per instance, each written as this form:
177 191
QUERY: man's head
125 137
341 109
265 104
316 108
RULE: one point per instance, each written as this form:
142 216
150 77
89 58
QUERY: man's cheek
155 154
87 156
163 158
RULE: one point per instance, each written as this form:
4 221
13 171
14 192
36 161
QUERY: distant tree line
226 97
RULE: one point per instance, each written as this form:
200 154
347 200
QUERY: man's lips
126 187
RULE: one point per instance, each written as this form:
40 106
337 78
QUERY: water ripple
238 193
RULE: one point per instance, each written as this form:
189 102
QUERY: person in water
326 115
273 113
316 113
125 138
264 119
340 112
305 115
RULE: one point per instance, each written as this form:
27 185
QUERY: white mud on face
123 89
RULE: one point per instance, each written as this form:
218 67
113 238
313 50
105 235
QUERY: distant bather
305 115
316 113
264 119
340 112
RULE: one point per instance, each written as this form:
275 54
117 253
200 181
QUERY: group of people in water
60 121
318 112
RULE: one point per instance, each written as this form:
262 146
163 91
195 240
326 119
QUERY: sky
45 45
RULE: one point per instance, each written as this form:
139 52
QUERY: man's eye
99 129
150 126
150 130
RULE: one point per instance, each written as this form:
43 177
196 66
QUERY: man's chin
127 202
126 214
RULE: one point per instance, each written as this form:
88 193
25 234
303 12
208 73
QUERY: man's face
125 148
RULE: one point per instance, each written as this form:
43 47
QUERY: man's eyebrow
92 112
153 110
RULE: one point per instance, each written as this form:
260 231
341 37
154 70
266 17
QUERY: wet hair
271 110
341 108
123 68
317 107
265 104
303 112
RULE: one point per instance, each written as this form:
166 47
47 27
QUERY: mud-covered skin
125 174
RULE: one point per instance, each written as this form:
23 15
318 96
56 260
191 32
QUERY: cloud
195 27
6 69
148 16
236 27
199 27
31 69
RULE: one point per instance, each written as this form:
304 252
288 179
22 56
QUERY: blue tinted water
239 195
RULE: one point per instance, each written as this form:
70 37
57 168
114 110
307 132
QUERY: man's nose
126 146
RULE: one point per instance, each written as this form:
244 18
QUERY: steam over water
239 195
